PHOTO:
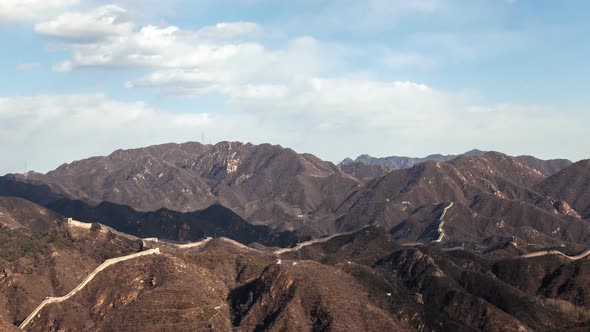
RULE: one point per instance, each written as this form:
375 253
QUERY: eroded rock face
564 208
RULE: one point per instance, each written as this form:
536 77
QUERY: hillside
361 281
215 220
496 198
492 203
265 184
36 264
20 213
571 185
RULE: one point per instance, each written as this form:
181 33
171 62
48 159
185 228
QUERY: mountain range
265 184
546 167
477 241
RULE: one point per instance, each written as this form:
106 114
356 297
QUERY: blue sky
333 78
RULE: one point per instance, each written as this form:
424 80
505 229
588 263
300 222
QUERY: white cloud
152 46
64 127
27 65
105 38
259 92
30 10
331 118
359 102
290 93
100 23
349 116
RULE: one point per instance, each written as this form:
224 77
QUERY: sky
336 78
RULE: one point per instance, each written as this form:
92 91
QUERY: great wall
555 252
86 280
103 228
314 241
156 251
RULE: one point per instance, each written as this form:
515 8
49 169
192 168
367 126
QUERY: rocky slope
448 255
571 185
265 184
360 281
20 213
497 199
492 204
546 167
36 264
449 291
215 220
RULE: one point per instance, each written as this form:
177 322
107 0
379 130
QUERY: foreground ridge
107 263
86 280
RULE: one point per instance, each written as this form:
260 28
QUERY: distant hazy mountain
546 167
395 162
364 171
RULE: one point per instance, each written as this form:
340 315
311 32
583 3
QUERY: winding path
238 244
314 241
105 228
86 280
177 245
555 252
441 232
411 244
107 263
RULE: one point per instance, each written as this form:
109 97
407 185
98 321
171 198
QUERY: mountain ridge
546 167
191 176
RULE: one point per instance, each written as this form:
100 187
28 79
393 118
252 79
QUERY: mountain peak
474 152
345 161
